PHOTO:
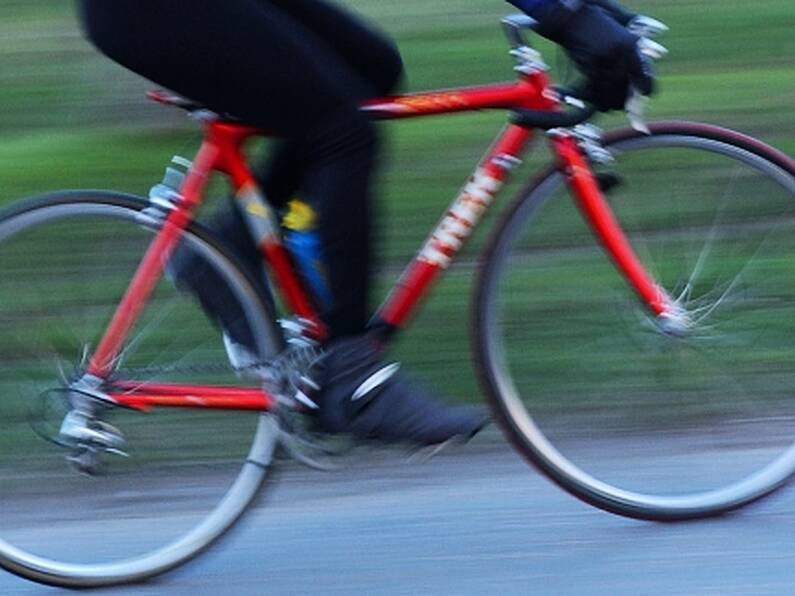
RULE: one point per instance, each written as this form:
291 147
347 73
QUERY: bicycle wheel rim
508 392
235 475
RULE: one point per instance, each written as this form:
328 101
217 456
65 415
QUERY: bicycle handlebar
515 27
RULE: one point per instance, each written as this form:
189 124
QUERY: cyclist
299 68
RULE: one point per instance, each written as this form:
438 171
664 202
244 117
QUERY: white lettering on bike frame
460 220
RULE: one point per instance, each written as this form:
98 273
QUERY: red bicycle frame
222 151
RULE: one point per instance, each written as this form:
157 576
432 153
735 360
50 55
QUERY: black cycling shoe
363 396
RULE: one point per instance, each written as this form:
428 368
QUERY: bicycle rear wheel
602 398
67 259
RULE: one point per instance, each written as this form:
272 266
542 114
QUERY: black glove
596 38
615 10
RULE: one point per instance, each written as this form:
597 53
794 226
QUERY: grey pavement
477 520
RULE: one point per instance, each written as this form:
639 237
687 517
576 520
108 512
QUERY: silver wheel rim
235 501
524 428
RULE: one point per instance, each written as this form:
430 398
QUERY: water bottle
303 242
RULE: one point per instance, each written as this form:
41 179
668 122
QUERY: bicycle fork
669 316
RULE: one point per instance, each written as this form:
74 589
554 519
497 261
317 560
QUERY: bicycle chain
287 367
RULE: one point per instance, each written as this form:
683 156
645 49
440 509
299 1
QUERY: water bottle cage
160 206
165 196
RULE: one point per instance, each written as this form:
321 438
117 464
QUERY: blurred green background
72 119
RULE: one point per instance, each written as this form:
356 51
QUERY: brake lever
651 49
645 28
636 111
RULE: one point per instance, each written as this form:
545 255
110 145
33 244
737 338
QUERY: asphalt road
474 521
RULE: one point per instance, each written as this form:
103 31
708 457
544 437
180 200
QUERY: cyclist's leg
190 272
238 57
372 57
370 52
375 68
242 57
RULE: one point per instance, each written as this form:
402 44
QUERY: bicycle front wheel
187 475
613 406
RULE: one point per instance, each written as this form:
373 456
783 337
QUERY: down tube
453 230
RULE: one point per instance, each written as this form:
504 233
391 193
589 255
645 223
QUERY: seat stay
152 267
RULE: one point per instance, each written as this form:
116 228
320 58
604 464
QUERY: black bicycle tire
482 360
40 572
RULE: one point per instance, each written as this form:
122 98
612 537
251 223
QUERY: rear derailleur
81 431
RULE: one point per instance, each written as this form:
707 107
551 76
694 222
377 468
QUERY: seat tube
263 227
600 217
151 268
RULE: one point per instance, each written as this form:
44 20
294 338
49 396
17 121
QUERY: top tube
527 93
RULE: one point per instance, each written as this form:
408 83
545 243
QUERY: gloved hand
595 36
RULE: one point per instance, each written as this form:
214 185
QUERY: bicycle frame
221 151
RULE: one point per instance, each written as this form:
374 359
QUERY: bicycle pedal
297 449
424 454
86 461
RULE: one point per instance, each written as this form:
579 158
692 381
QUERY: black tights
296 67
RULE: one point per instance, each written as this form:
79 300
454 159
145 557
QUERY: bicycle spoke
626 411
57 306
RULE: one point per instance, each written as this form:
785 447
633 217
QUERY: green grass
70 119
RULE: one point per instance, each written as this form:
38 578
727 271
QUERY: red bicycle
660 392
